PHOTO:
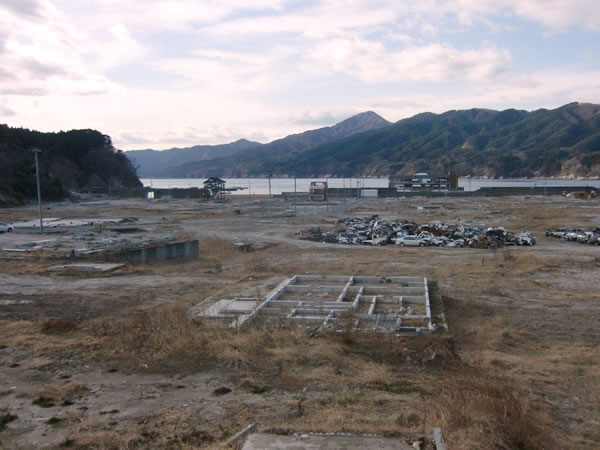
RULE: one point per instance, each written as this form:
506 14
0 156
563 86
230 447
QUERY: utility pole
295 198
270 174
327 192
37 179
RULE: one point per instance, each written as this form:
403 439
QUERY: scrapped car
439 241
5 228
526 239
560 233
410 240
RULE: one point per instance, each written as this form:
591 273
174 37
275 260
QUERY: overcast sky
161 73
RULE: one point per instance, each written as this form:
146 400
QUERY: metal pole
327 192
249 191
39 195
270 204
295 198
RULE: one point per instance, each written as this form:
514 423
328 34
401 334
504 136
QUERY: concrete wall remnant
169 251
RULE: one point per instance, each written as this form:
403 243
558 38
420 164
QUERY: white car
5 228
410 240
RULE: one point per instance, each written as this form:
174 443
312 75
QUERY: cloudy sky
163 73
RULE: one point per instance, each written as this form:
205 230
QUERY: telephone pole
37 179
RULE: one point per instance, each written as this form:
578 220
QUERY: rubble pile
576 235
377 231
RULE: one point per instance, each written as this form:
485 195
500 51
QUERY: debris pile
377 231
576 235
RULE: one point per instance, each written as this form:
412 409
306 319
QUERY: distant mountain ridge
561 142
154 163
280 149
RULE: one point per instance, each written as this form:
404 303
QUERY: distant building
318 191
215 186
419 182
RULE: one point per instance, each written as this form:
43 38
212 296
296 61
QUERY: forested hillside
69 160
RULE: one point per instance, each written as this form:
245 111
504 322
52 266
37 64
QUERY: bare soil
112 360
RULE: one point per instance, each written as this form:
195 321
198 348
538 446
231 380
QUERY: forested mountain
69 160
242 163
155 163
481 142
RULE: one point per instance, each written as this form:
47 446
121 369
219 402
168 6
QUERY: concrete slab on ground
85 267
333 442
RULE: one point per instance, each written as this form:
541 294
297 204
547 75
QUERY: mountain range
481 142
191 161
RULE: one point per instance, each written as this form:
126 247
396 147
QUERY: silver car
5 228
410 240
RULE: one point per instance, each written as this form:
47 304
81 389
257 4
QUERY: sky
164 73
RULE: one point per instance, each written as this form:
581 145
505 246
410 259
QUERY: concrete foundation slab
314 441
85 267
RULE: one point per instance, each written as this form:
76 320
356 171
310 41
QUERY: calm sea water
259 186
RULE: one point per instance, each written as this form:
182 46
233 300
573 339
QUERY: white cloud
556 15
213 71
372 63
538 90
48 54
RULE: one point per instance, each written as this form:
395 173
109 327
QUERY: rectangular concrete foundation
386 305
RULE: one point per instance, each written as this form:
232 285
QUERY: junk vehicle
576 235
410 241
378 231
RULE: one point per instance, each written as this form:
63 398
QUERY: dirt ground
113 361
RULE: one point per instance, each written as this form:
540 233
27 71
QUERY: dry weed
479 409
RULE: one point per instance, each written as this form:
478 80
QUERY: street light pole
37 179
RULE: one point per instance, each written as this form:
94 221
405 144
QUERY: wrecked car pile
576 235
377 231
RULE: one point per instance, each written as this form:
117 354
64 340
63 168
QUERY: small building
215 186
419 182
318 191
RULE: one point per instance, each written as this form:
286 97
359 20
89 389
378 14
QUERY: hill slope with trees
69 160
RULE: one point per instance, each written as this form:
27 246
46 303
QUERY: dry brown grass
63 391
169 428
373 383
475 407
28 336
58 326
